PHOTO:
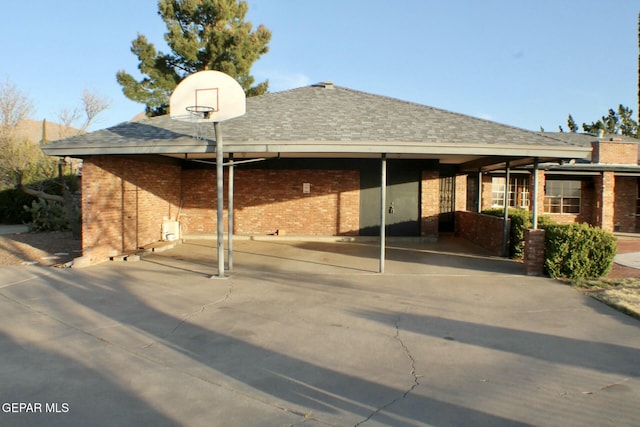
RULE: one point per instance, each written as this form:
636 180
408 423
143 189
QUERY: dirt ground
38 248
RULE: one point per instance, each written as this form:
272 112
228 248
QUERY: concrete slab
13 229
308 333
631 259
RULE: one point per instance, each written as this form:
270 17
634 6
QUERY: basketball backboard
207 96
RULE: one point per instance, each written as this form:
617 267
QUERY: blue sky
523 63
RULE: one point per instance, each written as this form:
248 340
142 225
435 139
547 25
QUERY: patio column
534 202
479 191
220 201
505 218
383 205
230 214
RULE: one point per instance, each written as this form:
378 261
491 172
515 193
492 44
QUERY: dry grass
623 294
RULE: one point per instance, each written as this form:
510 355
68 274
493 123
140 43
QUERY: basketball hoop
210 96
200 111
198 116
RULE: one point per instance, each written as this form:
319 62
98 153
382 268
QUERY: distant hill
33 129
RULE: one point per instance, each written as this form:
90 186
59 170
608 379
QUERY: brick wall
483 230
625 204
269 200
430 203
124 202
615 152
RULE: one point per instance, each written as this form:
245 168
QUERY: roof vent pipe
600 133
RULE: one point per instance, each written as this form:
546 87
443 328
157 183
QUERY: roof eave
326 147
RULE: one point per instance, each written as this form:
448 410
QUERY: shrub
578 251
47 216
11 203
520 221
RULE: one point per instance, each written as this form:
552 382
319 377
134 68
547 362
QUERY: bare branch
93 105
15 106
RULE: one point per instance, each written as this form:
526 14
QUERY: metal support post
479 191
534 198
219 200
505 218
383 210
230 214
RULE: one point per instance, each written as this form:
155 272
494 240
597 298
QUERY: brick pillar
542 179
430 203
605 187
534 252
486 192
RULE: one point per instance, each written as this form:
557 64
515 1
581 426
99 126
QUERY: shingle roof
324 119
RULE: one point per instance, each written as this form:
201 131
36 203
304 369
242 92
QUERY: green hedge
578 251
520 221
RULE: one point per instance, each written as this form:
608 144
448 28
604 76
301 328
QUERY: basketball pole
230 214
383 205
219 200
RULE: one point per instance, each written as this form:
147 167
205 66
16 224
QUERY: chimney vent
328 84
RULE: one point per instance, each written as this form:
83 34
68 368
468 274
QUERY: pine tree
614 122
571 124
202 35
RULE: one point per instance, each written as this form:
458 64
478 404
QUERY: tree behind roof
620 121
203 35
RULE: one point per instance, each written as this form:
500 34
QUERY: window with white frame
562 196
518 191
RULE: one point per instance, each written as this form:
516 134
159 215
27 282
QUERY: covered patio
312 161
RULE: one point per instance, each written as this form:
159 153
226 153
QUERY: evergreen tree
202 35
571 124
614 122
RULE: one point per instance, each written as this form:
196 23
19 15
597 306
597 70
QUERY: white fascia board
571 152
338 147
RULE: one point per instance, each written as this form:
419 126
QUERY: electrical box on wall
306 188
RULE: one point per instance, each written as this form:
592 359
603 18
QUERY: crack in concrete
194 314
415 376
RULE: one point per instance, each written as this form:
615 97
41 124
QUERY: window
518 191
562 196
472 193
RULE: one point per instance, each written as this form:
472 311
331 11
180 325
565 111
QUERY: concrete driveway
308 334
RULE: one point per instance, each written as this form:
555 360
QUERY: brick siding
269 200
124 202
625 204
